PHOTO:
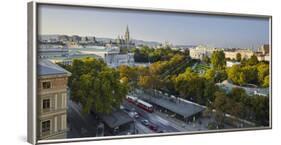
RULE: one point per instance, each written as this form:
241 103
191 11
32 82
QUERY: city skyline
188 29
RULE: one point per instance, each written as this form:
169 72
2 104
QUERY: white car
145 122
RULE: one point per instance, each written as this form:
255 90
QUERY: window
46 126
46 85
46 103
63 101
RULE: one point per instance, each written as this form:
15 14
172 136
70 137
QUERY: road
79 125
84 125
141 129
161 123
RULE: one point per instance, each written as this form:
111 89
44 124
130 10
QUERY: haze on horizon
177 28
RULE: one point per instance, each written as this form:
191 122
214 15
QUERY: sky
176 28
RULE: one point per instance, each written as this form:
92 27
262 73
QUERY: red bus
132 99
144 105
140 103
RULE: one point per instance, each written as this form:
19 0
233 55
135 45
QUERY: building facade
245 53
200 51
51 100
117 59
264 49
263 53
124 42
51 50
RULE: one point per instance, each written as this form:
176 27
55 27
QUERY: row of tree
193 87
203 90
239 104
248 73
157 76
146 54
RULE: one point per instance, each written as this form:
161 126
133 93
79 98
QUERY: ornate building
263 53
245 53
51 100
124 42
201 50
127 35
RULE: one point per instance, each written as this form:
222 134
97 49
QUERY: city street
79 125
84 125
162 124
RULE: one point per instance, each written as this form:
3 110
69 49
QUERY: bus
140 103
144 105
132 99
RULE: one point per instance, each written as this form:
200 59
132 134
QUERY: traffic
143 113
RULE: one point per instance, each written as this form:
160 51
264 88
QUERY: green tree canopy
206 59
218 60
249 74
210 74
190 85
96 86
266 81
263 74
238 57
253 60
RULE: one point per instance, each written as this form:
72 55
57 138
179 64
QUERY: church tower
127 35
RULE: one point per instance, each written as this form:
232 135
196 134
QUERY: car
173 115
183 125
159 131
136 116
134 113
127 110
153 127
145 122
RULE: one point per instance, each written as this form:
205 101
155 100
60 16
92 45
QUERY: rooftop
46 67
116 118
74 56
181 107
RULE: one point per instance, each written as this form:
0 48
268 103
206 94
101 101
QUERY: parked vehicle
159 131
153 127
145 122
134 114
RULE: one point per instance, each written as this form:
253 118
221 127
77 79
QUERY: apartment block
52 97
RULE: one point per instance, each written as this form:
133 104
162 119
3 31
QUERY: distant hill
148 43
185 46
137 42
105 39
